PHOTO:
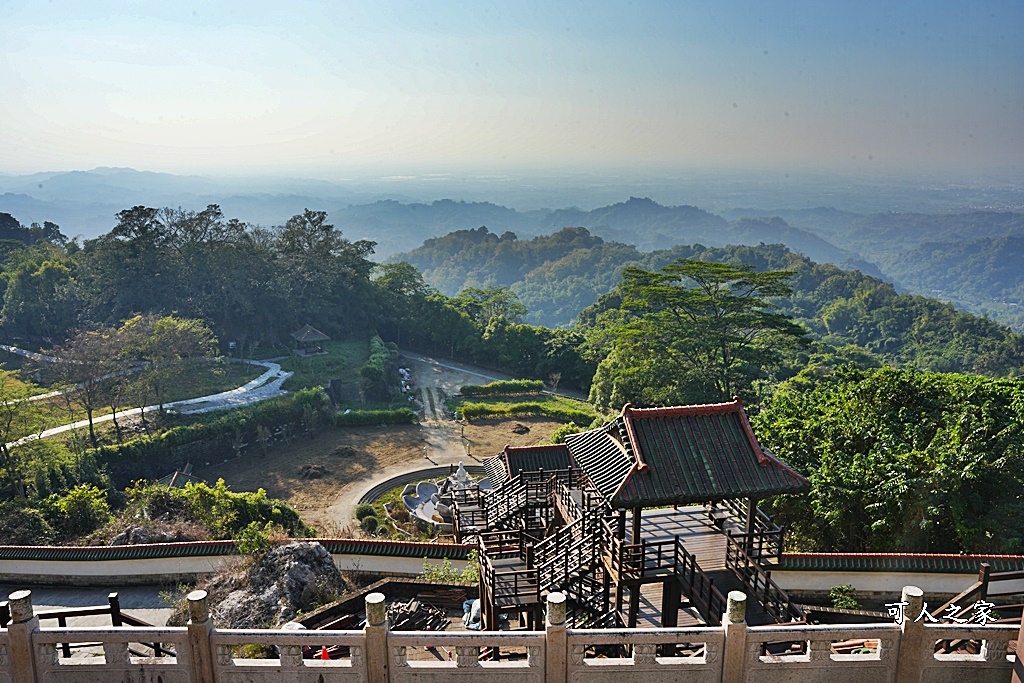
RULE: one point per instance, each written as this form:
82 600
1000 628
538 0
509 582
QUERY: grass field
547 402
342 361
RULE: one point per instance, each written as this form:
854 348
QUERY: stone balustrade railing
732 653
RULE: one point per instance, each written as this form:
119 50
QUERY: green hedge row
381 354
503 388
209 440
475 411
356 418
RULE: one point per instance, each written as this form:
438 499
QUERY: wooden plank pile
416 615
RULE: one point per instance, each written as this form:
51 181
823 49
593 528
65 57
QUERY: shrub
81 510
225 513
355 418
210 438
253 539
444 571
504 388
844 596
558 436
474 411
381 355
370 524
364 510
24 525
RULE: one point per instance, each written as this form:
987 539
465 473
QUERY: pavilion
309 339
674 466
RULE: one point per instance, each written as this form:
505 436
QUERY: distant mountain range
961 255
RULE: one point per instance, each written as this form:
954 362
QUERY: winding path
267 385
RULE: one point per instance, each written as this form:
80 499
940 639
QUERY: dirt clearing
323 477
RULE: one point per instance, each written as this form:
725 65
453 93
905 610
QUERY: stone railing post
376 632
911 649
199 628
19 637
555 640
734 623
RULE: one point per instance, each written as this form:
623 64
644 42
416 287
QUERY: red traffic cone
323 653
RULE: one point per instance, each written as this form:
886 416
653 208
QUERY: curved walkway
267 385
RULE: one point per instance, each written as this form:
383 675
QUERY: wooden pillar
671 596
751 516
622 524
636 525
634 604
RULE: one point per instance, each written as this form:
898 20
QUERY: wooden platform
700 538
704 541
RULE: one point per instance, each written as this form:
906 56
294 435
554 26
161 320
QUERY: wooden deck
703 540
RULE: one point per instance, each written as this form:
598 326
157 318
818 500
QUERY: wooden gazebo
309 339
618 509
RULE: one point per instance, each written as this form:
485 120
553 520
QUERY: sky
325 89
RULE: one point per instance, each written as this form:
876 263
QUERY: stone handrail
731 653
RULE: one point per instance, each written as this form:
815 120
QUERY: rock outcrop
274 588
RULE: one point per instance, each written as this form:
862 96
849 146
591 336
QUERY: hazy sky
322 88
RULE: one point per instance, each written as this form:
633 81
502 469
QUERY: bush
446 572
364 510
253 539
475 411
225 513
24 525
210 438
381 355
558 436
81 510
370 524
844 596
504 388
355 418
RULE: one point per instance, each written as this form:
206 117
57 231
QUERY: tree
700 331
85 364
40 297
901 461
483 305
166 346
18 418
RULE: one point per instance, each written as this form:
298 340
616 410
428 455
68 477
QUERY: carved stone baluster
819 650
994 650
46 654
398 656
467 656
645 654
533 656
577 653
115 653
291 655
224 655
355 656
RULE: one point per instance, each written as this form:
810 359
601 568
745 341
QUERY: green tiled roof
344 546
496 471
602 457
535 458
899 562
680 455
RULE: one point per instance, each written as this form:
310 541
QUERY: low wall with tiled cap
887 573
173 562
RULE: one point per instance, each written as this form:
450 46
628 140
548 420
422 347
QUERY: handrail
767 537
760 584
